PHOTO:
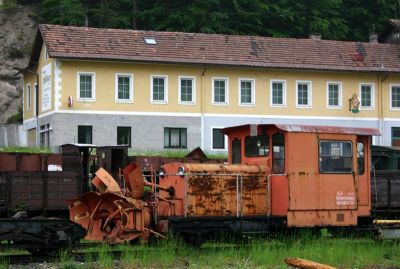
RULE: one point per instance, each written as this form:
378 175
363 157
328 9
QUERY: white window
367 96
334 95
220 91
86 86
246 92
187 90
159 89
124 88
303 94
395 96
278 93
218 139
28 96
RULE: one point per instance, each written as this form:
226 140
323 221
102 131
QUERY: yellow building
161 90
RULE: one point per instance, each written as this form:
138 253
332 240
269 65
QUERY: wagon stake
154 232
306 264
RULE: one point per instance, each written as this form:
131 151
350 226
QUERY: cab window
335 157
256 146
360 158
278 153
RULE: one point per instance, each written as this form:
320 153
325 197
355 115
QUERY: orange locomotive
277 176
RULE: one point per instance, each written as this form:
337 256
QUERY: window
175 138
28 96
84 134
395 136
367 96
44 135
278 93
335 157
256 146
334 95
123 135
159 89
246 92
278 153
395 96
360 158
124 88
303 94
86 86
187 91
218 139
220 91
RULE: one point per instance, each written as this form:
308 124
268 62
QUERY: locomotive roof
312 129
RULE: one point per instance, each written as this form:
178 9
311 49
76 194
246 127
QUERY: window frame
339 141
180 141
272 81
309 93
372 85
130 76
391 92
253 91
159 102
340 102
78 82
193 102
226 91
391 134
130 135
28 97
91 135
212 140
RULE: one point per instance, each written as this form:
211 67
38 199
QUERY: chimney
373 38
315 36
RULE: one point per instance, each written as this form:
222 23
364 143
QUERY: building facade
168 90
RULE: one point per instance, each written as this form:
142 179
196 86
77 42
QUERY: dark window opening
85 134
278 153
236 151
360 158
395 136
256 146
124 136
218 139
175 138
335 157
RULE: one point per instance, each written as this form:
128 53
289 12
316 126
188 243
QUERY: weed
105 259
24 150
66 261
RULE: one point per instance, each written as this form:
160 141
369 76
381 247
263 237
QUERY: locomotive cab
276 176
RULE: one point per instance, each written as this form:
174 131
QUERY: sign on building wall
46 87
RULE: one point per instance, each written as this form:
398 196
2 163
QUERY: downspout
202 107
380 116
37 109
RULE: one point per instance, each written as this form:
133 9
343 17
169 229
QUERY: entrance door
236 151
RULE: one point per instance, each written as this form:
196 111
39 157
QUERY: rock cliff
17 32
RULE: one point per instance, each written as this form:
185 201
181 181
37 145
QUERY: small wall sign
354 104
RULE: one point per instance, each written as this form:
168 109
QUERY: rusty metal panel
30 162
8 162
226 190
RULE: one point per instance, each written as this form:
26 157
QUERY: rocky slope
17 32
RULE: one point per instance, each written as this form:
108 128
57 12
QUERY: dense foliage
334 19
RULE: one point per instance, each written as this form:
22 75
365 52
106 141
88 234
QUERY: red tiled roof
215 49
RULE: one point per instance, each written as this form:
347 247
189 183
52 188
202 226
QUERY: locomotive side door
236 151
322 180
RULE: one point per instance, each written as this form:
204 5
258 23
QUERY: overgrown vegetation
255 253
173 154
334 19
17 118
25 150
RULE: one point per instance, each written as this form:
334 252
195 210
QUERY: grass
24 150
173 154
258 253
